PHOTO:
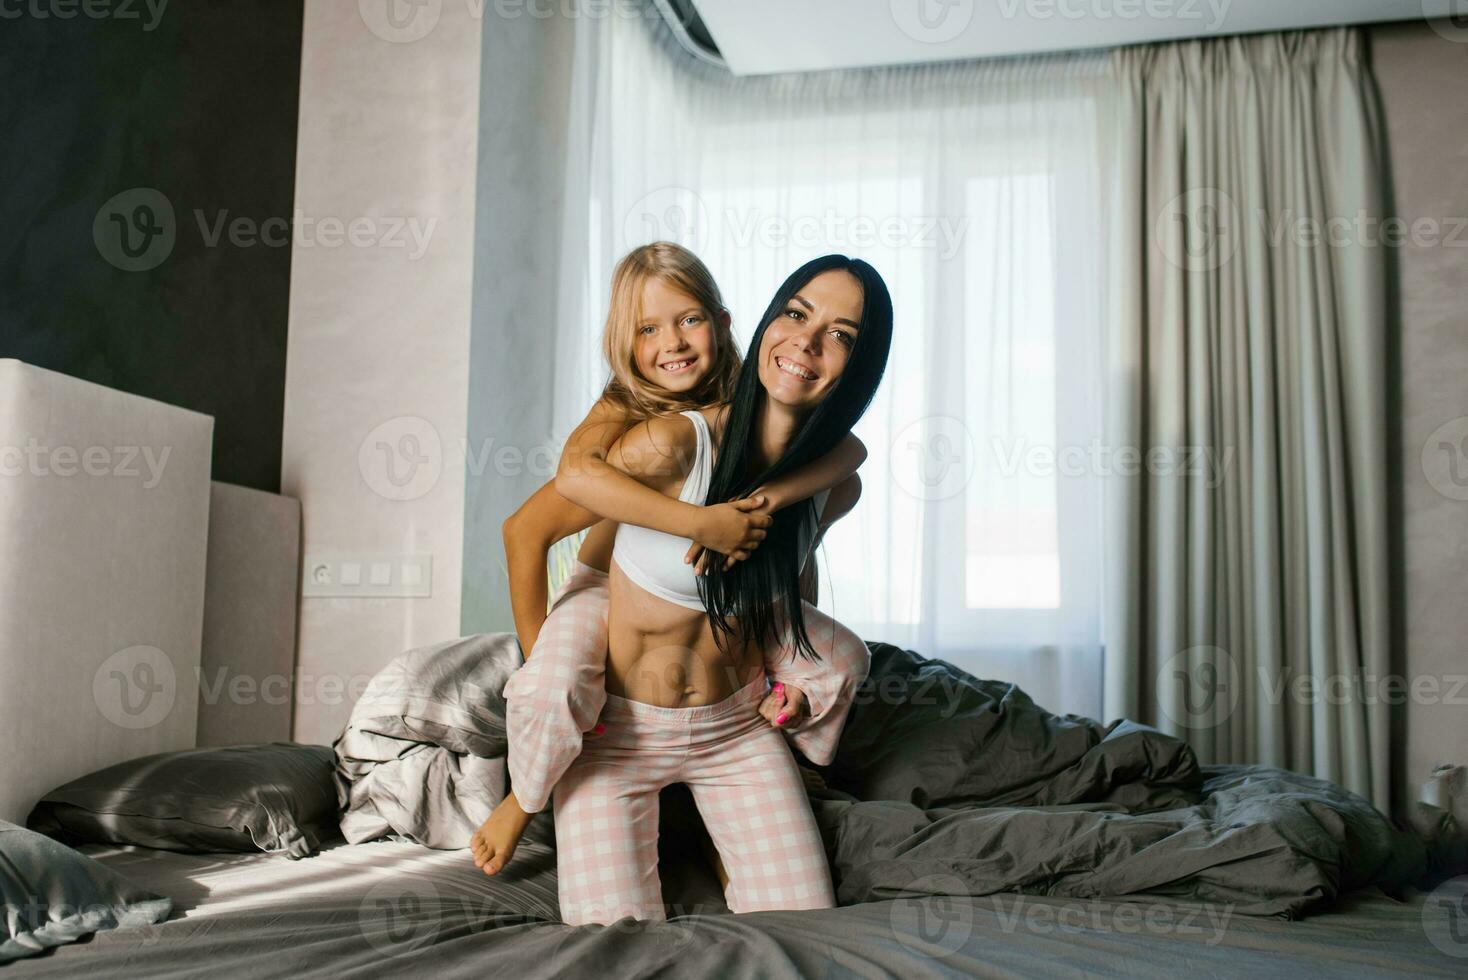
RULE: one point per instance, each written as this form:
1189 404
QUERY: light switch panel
335 574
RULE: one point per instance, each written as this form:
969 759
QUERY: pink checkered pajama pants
560 692
744 781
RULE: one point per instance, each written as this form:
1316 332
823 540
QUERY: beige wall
1423 79
377 360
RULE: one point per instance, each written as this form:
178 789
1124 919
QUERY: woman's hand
734 529
785 706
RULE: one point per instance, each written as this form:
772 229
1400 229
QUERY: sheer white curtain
973 189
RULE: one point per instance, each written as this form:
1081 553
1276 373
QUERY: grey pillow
276 797
53 895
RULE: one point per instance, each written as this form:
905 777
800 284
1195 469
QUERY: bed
970 832
394 909
1229 871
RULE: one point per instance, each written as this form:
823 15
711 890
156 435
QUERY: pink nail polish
779 687
781 719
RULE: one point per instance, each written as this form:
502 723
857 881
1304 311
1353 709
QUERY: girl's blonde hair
681 269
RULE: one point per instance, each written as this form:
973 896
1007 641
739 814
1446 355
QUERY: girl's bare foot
493 844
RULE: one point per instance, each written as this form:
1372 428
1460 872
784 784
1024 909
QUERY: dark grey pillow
278 797
53 895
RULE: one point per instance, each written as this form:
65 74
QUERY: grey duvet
946 784
943 784
423 754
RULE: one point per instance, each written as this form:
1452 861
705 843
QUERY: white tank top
654 559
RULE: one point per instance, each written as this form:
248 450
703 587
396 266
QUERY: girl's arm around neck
587 477
826 473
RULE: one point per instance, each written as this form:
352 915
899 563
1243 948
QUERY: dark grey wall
195 102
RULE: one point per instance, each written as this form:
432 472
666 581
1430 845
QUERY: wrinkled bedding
946 784
943 784
423 755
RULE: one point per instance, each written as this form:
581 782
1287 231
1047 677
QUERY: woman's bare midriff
669 657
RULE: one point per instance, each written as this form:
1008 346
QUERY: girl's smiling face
675 347
805 348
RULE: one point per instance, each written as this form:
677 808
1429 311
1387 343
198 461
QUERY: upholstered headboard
103 527
108 522
247 674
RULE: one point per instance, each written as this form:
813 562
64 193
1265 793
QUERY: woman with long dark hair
685 673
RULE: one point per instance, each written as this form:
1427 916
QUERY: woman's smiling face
805 348
675 339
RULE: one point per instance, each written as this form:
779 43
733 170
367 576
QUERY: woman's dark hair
748 597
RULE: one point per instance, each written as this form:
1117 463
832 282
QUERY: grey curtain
1246 598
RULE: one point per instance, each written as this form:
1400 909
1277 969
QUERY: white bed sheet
385 871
